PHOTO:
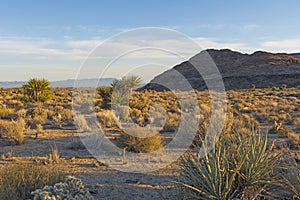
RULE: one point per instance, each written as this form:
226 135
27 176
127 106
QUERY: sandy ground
103 181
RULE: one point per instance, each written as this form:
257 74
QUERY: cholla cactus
71 189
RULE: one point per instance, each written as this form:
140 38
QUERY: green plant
18 180
105 93
71 189
238 167
37 90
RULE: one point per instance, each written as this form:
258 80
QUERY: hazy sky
51 38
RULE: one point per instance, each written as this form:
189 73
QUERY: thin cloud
287 45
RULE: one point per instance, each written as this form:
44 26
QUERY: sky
53 38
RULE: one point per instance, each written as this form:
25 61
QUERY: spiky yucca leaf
239 167
210 177
291 180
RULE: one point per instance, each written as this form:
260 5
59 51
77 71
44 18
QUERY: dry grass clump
6 113
13 130
18 180
54 156
140 144
172 122
36 116
284 131
81 123
238 168
106 119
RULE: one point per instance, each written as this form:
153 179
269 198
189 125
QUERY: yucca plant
37 90
239 167
210 177
259 162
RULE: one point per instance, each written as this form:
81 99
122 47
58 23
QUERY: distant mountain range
64 83
238 70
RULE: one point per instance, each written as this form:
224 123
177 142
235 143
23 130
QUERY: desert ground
272 110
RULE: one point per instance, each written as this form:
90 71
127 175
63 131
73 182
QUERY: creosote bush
18 180
13 130
140 144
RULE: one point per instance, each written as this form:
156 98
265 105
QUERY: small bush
53 157
36 116
18 180
6 112
71 189
13 130
106 119
140 144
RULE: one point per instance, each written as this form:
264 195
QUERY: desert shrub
66 115
142 144
296 121
283 131
71 189
172 122
105 93
106 119
15 103
81 123
238 167
13 130
53 156
18 180
6 113
36 116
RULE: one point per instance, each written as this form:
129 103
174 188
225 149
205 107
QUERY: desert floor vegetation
42 136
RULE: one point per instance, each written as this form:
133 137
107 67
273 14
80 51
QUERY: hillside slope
238 71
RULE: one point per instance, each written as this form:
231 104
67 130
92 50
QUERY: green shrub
37 90
18 180
105 93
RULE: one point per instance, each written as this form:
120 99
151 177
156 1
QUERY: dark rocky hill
238 71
